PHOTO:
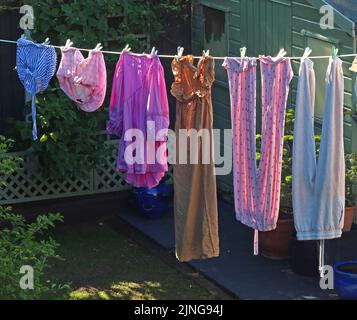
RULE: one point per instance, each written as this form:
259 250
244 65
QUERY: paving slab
237 269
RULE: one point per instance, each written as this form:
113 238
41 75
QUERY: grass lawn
100 263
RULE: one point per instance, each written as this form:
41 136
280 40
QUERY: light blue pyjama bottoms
319 185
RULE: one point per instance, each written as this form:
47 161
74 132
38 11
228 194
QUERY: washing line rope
174 56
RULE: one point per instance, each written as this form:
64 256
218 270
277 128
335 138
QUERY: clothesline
196 57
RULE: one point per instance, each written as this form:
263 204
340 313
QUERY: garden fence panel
29 184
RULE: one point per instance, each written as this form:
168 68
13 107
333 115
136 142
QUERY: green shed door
266 26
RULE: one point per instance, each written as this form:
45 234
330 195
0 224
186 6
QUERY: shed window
214 24
215 35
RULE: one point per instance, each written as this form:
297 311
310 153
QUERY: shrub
351 180
23 243
20 245
69 143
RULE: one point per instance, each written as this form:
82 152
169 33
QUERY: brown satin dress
195 199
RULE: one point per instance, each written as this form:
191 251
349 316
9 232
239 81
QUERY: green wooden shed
266 26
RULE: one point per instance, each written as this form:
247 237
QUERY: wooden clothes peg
98 47
68 44
306 54
282 53
179 53
334 52
154 51
205 53
243 52
126 48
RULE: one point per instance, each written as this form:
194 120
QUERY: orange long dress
195 193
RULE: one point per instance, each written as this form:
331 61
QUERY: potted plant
275 244
351 191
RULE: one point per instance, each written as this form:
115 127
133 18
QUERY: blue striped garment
36 65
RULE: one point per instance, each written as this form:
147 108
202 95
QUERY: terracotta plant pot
349 216
275 244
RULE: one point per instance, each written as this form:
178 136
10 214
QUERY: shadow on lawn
100 263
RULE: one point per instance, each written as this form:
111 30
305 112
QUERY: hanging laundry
257 190
138 96
84 80
319 186
36 65
195 195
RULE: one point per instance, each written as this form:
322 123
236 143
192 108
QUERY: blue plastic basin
345 279
154 203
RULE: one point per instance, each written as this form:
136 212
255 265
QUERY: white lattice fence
106 178
28 184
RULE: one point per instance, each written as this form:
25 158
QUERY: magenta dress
138 96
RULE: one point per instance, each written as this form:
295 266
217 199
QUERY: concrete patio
237 269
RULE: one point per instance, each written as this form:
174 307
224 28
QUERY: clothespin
179 53
98 47
154 51
205 53
306 54
243 52
47 41
334 52
281 53
68 44
127 48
